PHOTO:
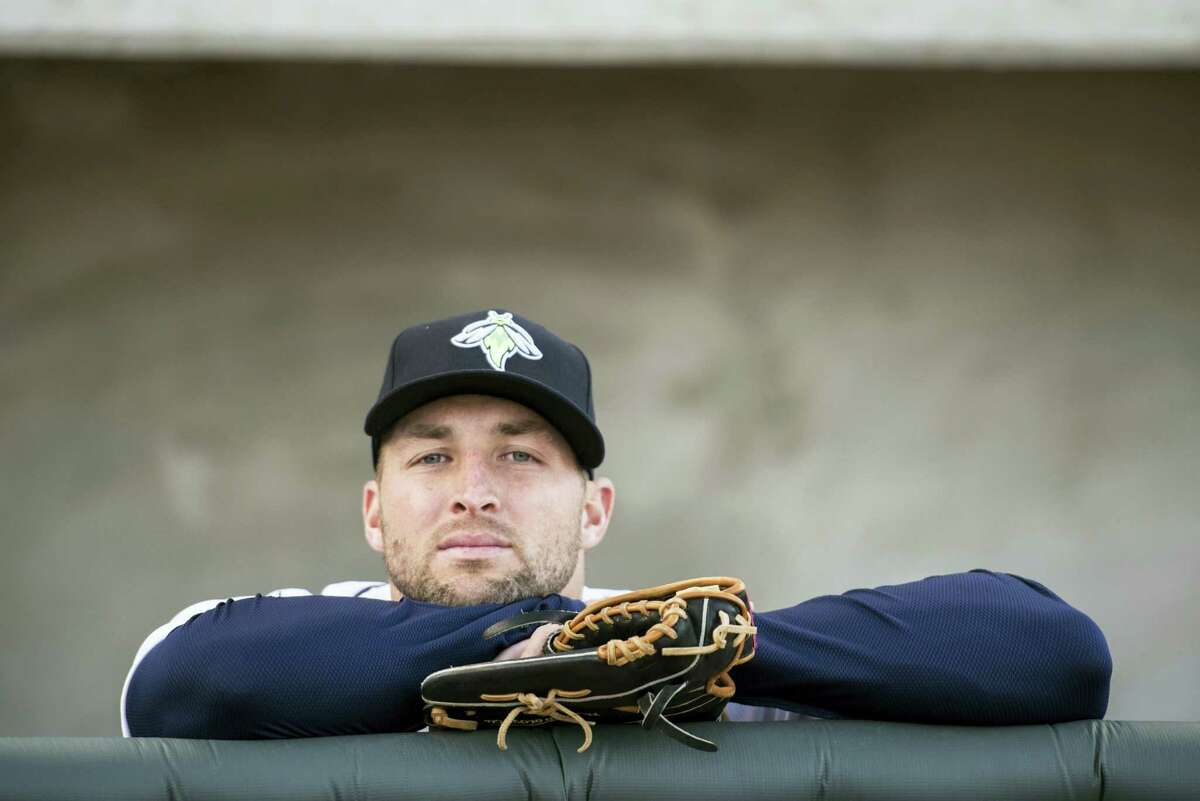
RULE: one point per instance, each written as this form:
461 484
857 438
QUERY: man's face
479 499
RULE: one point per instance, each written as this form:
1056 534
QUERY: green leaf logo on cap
499 338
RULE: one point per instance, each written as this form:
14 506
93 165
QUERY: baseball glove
654 656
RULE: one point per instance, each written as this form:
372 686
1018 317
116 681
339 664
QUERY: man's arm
978 648
307 666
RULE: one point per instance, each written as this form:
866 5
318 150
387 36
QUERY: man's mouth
474 546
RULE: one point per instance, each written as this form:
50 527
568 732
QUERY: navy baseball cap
495 353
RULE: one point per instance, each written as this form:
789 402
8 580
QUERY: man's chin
470 588
457 582
475 589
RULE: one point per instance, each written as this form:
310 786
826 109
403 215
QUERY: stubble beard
542 571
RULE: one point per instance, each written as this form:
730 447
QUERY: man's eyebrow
508 428
423 431
518 427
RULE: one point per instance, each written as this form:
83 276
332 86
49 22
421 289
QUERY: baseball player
483 506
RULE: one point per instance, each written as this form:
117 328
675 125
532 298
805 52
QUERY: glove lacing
547 707
622 652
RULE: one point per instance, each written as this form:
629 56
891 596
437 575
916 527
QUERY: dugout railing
826 760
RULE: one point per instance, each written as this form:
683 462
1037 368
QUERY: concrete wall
848 328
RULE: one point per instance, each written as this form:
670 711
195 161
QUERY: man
484 504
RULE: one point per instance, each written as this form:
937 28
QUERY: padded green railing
827 760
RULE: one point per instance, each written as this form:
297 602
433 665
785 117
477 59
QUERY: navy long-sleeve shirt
979 648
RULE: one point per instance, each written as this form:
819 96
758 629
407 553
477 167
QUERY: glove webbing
720 685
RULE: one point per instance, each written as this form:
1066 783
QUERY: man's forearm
969 648
308 666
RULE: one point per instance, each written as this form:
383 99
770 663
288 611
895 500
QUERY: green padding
827 760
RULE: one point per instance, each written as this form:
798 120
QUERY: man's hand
532 647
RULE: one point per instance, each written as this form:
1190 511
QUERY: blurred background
867 299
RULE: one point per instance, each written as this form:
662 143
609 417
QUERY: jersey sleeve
975 648
160 633
307 666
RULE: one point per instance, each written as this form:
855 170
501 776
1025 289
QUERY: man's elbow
1066 674
171 696
1070 665
1090 672
1060 676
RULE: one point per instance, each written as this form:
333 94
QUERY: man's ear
598 499
372 516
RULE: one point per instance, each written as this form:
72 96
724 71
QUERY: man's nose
476 493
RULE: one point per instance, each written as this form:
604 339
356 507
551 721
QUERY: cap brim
581 433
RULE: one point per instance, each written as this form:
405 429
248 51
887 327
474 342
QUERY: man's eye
520 456
432 458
